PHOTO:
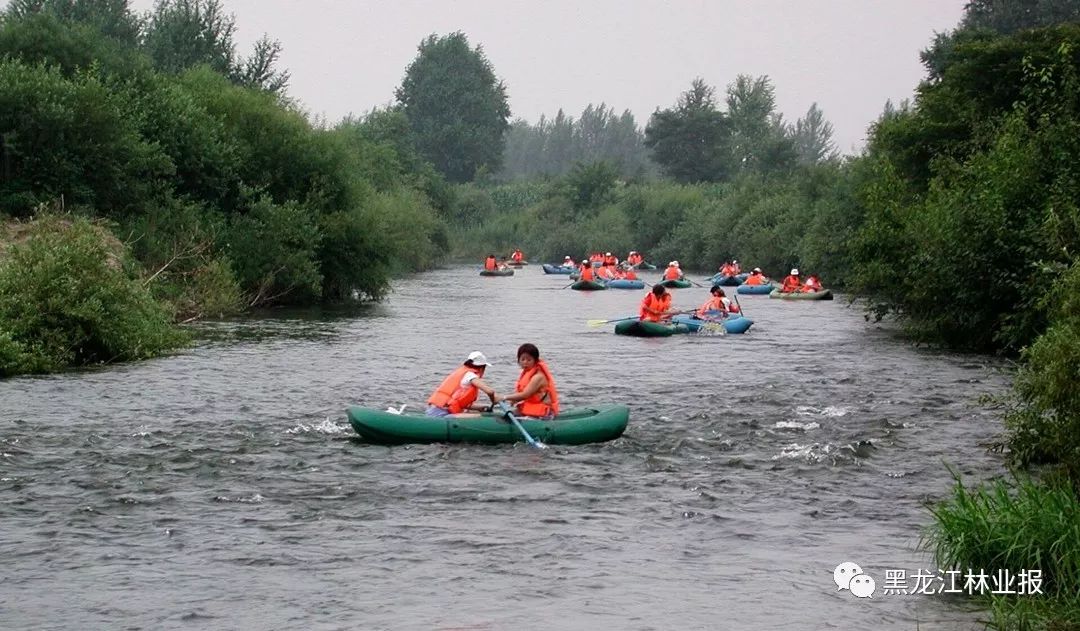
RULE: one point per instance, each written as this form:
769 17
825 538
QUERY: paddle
513 419
736 295
596 323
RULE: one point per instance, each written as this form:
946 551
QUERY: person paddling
791 282
586 272
673 272
717 306
535 394
656 306
456 395
756 278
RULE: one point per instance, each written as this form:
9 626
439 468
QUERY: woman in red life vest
517 256
634 258
534 394
756 278
791 282
727 269
673 272
456 395
811 285
606 272
610 259
656 306
490 264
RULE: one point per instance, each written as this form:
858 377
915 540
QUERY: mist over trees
553 146
695 141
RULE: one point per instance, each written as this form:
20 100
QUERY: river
222 487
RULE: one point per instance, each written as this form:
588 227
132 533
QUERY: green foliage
589 186
273 250
1016 526
53 127
184 34
112 18
456 107
67 299
1045 426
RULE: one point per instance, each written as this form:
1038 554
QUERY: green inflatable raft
496 272
824 294
676 284
572 427
640 328
588 285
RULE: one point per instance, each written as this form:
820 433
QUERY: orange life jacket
630 275
611 260
714 303
490 264
596 258
587 272
812 285
634 259
672 273
727 270
451 395
541 403
652 307
755 279
790 284
517 255
606 272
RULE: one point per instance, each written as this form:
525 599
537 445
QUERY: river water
222 487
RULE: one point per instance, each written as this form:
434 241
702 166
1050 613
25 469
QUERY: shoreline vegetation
149 177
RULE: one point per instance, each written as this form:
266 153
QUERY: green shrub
67 298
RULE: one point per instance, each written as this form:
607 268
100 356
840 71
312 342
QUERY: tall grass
1015 525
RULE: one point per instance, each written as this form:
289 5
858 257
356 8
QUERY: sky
848 56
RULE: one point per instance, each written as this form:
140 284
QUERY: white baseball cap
478 359
757 269
566 258
607 253
794 271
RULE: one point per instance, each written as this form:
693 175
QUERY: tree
691 142
759 142
456 107
182 34
812 135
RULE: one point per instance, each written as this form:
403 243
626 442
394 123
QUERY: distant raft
676 284
725 281
557 269
571 427
644 328
588 285
734 324
755 289
496 272
625 283
824 294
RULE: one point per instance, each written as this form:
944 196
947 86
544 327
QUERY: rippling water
222 488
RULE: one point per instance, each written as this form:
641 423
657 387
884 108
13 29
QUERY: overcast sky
849 56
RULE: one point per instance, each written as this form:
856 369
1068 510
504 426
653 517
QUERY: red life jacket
755 279
790 284
630 275
714 303
812 285
727 270
490 264
542 403
452 395
517 256
652 307
587 272
672 273
606 272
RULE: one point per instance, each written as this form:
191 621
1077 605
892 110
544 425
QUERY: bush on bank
69 296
